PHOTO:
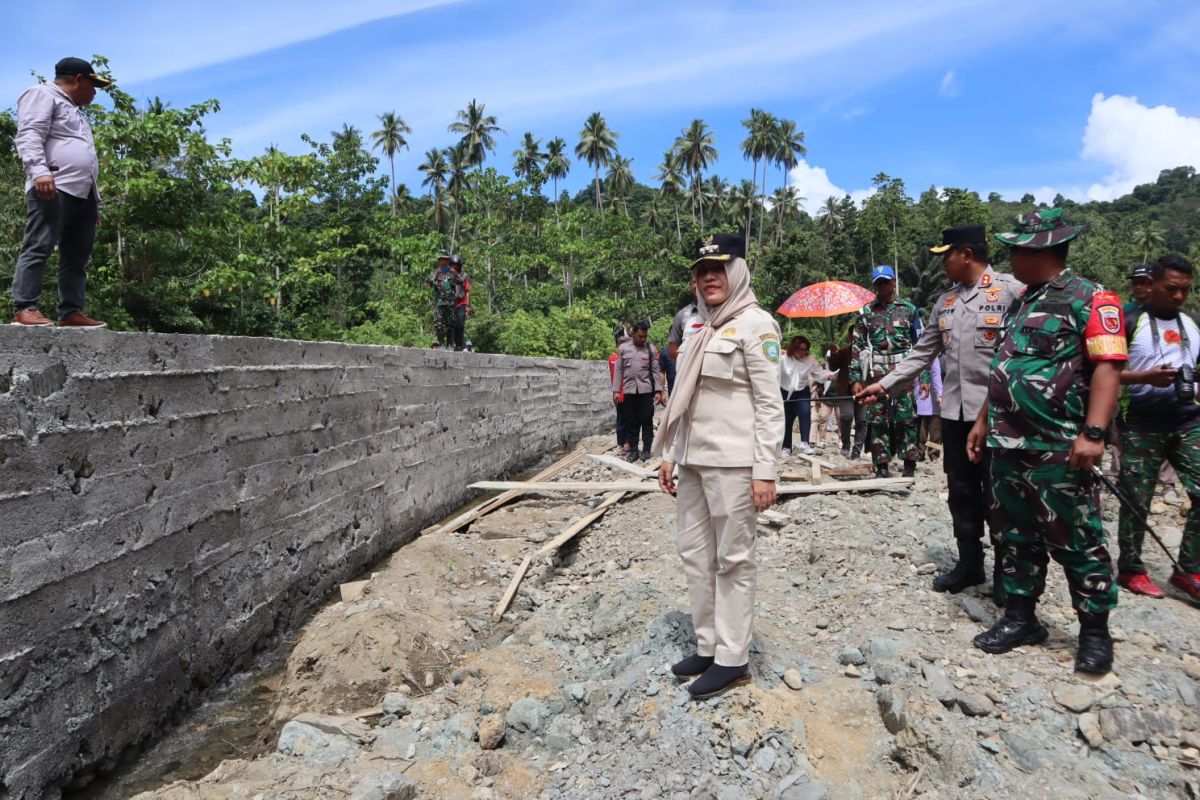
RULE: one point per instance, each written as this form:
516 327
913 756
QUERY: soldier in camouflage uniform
883 335
1053 390
445 287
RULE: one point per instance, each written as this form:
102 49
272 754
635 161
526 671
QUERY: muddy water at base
234 721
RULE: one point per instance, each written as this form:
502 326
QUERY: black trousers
65 222
637 415
966 483
458 327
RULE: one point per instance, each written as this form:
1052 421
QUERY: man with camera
1162 422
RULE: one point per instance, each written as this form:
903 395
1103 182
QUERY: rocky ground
865 682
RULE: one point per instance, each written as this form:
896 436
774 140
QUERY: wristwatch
1093 432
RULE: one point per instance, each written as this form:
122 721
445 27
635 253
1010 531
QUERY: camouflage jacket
888 331
1052 335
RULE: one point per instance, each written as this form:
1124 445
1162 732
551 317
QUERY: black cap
1141 271
456 260
961 236
719 247
77 66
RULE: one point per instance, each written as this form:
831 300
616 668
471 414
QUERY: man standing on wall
462 301
62 194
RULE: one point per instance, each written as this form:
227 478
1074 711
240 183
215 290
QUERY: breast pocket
1045 337
987 329
719 358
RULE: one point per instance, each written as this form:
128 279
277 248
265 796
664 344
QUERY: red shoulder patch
985 281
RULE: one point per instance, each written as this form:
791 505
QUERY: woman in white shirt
797 370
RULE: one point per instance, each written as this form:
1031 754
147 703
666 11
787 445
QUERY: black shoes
1095 653
718 680
1018 626
633 455
693 665
910 468
855 452
967 572
881 471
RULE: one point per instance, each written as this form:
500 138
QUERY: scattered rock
764 759
975 704
1074 697
396 704
1123 725
352 591
852 671
939 685
891 709
851 655
793 679
384 786
314 746
976 610
1089 729
491 732
527 715
653 688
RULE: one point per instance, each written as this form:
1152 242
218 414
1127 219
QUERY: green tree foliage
318 244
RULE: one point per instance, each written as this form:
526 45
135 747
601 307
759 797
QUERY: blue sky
1083 98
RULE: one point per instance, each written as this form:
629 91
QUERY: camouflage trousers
1142 454
443 324
892 428
1040 507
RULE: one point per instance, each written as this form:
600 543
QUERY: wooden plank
815 460
580 524
816 473
595 487
492 503
511 591
623 465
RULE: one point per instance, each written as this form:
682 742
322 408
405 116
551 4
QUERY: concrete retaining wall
168 502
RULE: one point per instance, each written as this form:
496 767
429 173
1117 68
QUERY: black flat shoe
693 665
718 680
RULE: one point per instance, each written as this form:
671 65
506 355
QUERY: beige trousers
716 528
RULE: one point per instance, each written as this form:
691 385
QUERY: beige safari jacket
736 415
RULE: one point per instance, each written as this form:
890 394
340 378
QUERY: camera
1185 383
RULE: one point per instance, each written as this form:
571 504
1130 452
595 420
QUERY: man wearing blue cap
885 332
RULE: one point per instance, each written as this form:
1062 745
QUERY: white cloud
1136 143
814 185
950 86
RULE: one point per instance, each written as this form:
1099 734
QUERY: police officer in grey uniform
965 325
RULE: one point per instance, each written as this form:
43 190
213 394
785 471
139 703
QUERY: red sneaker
31 318
77 319
1140 583
1192 587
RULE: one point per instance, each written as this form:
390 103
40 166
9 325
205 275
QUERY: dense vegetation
315 245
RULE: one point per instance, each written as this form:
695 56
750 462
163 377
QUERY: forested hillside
313 244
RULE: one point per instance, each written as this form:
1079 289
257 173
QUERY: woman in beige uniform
722 428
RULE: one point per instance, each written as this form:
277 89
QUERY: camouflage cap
1043 227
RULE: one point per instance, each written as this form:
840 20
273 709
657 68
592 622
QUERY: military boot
967 572
1018 626
855 452
910 468
1095 653
881 471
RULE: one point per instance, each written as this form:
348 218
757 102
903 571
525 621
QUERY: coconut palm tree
619 180
787 205
741 202
696 146
460 181
831 216
390 139
671 179
715 192
557 165
597 146
1149 239
652 213
528 160
756 148
436 170
478 130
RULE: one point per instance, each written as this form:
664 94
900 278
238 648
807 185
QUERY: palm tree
789 147
478 130
755 147
436 170
528 159
460 181
1149 238
832 219
742 199
390 139
715 192
557 165
619 180
669 175
597 146
696 148
787 205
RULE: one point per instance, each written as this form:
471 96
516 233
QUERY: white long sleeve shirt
54 138
796 374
